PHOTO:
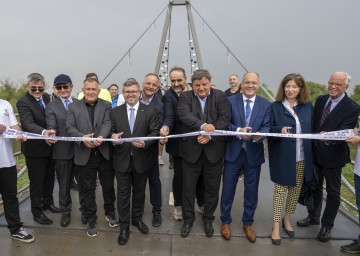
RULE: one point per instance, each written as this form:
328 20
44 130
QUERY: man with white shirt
8 175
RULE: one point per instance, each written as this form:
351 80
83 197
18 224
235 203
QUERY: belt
95 152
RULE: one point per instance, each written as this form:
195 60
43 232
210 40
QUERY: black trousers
125 181
212 177
41 172
97 165
8 191
333 184
177 184
155 185
63 173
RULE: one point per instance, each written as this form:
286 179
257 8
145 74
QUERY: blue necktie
66 104
132 119
247 111
41 103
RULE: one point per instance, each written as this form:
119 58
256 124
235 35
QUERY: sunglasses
65 87
34 89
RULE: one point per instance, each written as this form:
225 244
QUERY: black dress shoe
307 221
185 230
141 226
324 234
156 220
65 220
43 219
276 241
123 236
209 229
288 232
52 208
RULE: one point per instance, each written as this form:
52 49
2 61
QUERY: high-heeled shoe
275 241
288 232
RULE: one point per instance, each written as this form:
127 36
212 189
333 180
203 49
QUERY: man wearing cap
63 151
41 168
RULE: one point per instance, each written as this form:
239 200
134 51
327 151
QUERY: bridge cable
133 45
218 37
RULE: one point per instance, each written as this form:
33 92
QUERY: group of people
200 163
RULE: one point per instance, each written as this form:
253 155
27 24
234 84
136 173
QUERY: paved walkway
166 240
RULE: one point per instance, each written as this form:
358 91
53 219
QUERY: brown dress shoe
225 231
250 233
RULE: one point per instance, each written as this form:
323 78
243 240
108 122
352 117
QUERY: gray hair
342 73
131 81
35 78
199 74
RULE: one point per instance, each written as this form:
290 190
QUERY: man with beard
234 85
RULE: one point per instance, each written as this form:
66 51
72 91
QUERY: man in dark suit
63 151
172 125
203 109
41 168
249 112
132 161
332 112
90 117
148 96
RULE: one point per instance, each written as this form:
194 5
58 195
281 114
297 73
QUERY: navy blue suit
250 160
282 151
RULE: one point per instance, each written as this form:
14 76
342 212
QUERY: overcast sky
273 38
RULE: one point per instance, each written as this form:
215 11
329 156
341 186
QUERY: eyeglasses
34 89
330 84
250 83
64 86
130 92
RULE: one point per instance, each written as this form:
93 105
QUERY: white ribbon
335 135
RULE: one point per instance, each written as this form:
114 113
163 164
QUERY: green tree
11 92
261 93
316 90
356 94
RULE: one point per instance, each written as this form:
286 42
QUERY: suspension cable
126 53
227 47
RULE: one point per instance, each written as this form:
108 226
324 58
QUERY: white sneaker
161 161
178 213
22 236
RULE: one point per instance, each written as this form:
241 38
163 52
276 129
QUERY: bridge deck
166 239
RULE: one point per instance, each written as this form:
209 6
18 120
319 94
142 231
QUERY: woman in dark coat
290 159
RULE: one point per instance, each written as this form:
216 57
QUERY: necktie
132 119
66 104
41 103
247 111
325 112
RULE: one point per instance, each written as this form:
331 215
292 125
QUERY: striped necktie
325 112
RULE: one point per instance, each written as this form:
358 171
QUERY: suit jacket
171 119
343 116
282 151
159 107
55 114
32 118
78 124
259 121
216 112
146 125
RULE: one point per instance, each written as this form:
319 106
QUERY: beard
178 89
233 85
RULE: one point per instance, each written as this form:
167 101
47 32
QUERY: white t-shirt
7 118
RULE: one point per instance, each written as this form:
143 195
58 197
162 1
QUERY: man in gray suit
63 151
90 117
132 161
